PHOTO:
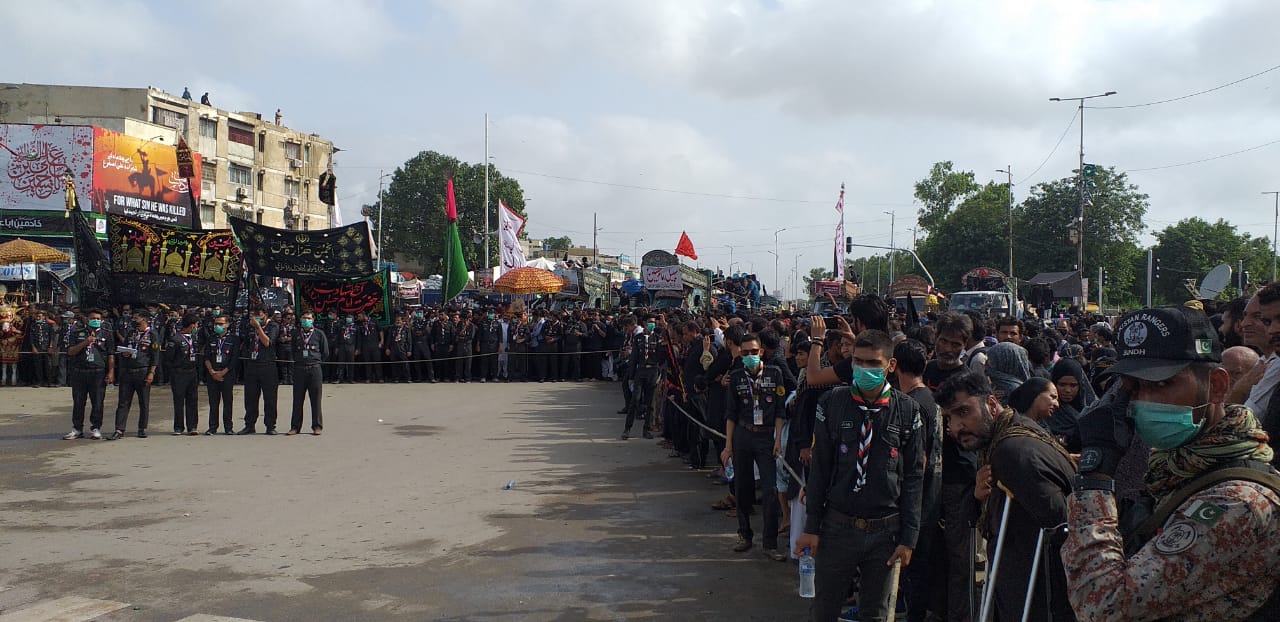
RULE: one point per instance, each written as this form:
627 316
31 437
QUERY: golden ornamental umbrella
26 251
528 281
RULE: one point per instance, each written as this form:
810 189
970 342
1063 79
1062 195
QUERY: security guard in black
753 425
92 366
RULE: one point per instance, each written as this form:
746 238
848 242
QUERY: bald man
1238 360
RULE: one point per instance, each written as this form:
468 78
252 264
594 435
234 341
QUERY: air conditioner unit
295 163
242 193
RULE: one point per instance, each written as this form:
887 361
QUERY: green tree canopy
941 191
414 209
1189 249
974 234
562 243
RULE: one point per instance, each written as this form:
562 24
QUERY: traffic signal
1090 170
848 244
1155 270
1106 276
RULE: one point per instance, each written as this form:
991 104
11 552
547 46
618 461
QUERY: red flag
685 247
451 210
840 201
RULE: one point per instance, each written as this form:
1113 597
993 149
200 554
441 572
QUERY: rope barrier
794 475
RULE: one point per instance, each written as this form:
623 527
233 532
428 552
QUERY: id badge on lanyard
219 358
88 354
191 350
757 413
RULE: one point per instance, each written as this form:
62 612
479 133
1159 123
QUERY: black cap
1155 344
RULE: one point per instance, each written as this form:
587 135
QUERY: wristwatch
1083 483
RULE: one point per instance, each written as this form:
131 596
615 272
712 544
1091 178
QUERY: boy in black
92 368
138 356
182 353
219 362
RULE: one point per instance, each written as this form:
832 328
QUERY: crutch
973 572
893 589
989 590
1031 580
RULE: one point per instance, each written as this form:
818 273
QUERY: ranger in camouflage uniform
1211 548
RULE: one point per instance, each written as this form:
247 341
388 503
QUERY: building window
292 188
306 152
242 135
239 175
207 215
209 128
292 150
262 142
209 172
169 118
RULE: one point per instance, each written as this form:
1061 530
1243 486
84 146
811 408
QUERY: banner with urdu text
331 254
367 295
152 263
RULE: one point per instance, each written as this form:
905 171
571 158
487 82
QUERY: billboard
139 179
34 159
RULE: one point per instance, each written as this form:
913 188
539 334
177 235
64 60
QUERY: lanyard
306 338
187 340
221 340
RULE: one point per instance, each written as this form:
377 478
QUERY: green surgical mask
1164 426
95 323
308 323
216 313
751 361
868 378
649 326
219 329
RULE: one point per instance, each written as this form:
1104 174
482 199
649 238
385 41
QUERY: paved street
403 519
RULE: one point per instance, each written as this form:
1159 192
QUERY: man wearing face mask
92 366
867 476
310 348
219 362
261 378
646 362
1211 548
754 416
138 356
182 353
488 340
422 370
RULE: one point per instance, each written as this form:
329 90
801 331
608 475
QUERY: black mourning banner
93 269
368 295
330 254
154 264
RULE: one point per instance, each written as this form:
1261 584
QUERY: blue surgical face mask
650 326
868 378
751 361
95 323
1164 426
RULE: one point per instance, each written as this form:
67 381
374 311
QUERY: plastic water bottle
728 471
806 575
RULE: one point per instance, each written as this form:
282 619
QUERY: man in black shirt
182 353
369 347
646 362
929 557
89 350
754 415
867 481
39 340
221 354
310 347
138 355
571 348
488 339
261 378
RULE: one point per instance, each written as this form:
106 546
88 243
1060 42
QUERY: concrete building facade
253 168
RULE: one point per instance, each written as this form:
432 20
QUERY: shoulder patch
1205 513
1177 538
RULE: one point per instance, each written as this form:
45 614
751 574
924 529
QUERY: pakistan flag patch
1205 513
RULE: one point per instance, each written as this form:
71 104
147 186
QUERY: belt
756 428
889 523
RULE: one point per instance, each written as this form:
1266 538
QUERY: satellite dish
1216 281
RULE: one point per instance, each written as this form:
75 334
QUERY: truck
584 288
821 293
913 291
670 284
985 290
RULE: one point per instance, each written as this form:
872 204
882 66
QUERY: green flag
455 265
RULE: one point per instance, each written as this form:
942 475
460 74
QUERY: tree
974 234
1193 246
816 274
558 244
414 204
941 191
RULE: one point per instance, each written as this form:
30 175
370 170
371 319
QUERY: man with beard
442 344
1033 474
369 345
261 378
422 368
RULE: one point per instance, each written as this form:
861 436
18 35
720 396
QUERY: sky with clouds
727 119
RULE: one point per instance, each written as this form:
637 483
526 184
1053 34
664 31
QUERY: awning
1062 284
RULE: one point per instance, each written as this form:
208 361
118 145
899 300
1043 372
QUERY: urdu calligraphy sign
150 261
367 295
334 254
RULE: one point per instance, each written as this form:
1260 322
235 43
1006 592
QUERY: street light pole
635 248
894 248
1080 210
775 257
1008 170
1275 232
487 271
730 258
378 264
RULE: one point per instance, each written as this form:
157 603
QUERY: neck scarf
869 409
1237 437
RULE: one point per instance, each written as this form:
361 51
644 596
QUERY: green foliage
414 209
1193 246
817 274
974 234
941 191
558 244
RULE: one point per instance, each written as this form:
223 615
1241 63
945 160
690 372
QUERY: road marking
65 609
204 617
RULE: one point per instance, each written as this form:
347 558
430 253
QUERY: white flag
840 250
510 224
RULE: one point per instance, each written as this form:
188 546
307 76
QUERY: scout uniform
261 378
182 355
219 354
88 376
310 348
135 366
755 409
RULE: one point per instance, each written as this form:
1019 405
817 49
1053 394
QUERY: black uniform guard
346 347
40 341
646 361
221 357
464 346
399 348
369 348
488 339
552 335
310 348
422 368
137 357
92 368
182 354
442 343
866 484
261 378
753 424
518 355
571 349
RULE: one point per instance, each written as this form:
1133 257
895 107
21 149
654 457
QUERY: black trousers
591 364
307 383
133 383
370 359
462 364
847 550
261 380
756 448
346 372
697 437
571 363
550 356
487 365
646 380
537 363
423 370
185 410
220 394
440 355
957 538
400 366
518 361
87 386
40 368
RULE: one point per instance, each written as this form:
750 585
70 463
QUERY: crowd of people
1088 469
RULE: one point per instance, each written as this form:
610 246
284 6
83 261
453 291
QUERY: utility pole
1150 274
487 271
893 254
1100 284
1008 170
1275 233
1079 225
378 263
595 247
775 257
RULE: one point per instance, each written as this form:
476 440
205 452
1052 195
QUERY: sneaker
849 615
742 545
142 433
95 434
176 433
73 435
625 436
775 555
117 435
648 434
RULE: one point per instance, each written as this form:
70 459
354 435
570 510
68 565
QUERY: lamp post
1008 170
1079 225
775 256
893 252
730 247
1274 233
381 176
635 248
777 285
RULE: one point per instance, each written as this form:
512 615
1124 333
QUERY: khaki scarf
1006 427
1237 437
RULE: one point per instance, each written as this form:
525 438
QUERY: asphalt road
400 519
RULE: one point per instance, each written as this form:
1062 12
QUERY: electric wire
1189 95
1070 124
